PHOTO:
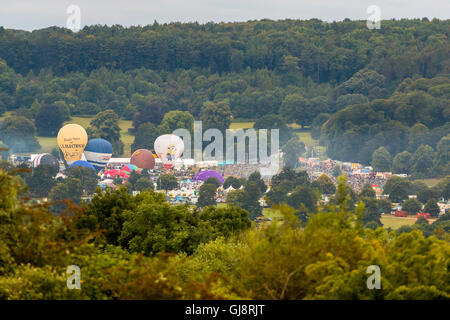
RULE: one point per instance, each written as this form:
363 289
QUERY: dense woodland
359 90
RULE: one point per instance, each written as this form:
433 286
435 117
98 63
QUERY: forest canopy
357 89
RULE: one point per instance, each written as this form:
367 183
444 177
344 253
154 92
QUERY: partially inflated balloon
82 163
143 159
48 160
45 159
72 139
169 148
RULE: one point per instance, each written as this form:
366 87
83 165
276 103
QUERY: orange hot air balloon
72 139
143 158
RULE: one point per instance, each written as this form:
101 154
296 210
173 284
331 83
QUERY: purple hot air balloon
203 175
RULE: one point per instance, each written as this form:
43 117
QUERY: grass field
305 137
241 125
387 220
394 223
429 182
48 143
271 213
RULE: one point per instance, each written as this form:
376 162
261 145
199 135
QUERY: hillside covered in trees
359 90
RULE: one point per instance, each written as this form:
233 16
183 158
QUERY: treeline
325 51
377 88
406 133
140 247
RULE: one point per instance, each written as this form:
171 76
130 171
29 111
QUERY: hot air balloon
45 159
143 158
169 148
112 173
72 140
98 152
204 175
82 163
129 168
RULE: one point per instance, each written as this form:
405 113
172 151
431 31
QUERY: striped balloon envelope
98 152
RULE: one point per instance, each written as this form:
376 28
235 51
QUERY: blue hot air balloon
98 152
82 163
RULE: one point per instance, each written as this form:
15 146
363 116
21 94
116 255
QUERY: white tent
230 188
188 162
209 163
118 161
107 182
178 164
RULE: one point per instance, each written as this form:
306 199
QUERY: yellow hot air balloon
72 139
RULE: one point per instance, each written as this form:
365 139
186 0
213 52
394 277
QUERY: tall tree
86 176
216 115
19 134
145 137
48 120
303 196
397 188
324 184
68 189
292 150
412 206
401 162
422 161
206 195
432 208
166 182
105 125
381 160
176 120
151 112
41 181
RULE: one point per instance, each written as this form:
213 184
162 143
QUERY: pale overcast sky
36 14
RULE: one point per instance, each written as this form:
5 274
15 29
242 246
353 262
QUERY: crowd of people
237 170
358 174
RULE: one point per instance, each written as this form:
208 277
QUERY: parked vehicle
425 215
400 213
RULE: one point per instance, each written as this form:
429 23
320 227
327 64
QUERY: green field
241 125
305 137
271 213
394 223
48 143
387 220
429 182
